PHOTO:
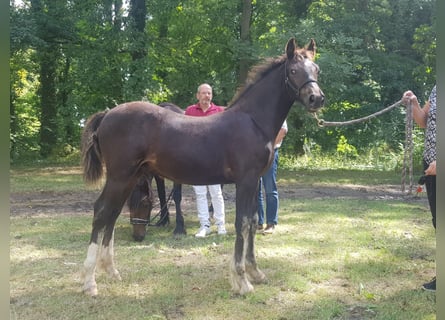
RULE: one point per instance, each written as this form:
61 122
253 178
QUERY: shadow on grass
329 259
200 287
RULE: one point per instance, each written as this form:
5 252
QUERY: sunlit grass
330 258
324 259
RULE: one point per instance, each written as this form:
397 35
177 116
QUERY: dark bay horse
235 146
140 201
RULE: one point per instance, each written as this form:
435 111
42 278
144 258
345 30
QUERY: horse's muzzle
315 98
316 102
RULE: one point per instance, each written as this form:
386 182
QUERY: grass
55 178
330 258
69 178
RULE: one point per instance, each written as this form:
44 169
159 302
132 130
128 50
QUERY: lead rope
322 123
408 150
167 205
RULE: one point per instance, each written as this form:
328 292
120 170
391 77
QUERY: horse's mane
260 70
257 72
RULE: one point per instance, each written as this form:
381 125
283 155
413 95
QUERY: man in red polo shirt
206 107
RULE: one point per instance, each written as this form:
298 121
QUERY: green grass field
331 257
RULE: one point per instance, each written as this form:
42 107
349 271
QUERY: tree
70 59
366 68
138 70
48 29
245 41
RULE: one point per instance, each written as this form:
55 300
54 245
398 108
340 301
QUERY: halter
146 222
295 90
139 221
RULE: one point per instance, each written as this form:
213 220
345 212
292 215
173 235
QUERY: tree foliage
70 59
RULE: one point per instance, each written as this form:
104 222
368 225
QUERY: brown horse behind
235 146
140 201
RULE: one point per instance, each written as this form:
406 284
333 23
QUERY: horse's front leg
244 267
239 280
165 217
177 197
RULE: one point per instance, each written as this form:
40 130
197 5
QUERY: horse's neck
268 102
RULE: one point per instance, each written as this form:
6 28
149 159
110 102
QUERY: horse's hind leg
101 248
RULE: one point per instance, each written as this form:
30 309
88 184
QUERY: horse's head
140 203
301 74
139 228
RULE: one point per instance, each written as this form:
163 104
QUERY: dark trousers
430 184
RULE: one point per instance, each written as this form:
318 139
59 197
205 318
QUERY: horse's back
125 129
179 147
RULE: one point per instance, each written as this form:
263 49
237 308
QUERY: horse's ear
290 48
312 47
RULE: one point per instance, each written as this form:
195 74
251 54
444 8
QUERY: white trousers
203 205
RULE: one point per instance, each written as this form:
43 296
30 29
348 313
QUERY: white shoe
203 232
222 230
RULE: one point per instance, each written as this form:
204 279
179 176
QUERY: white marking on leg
254 274
89 268
239 281
106 259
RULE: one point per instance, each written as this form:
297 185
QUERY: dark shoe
260 227
430 286
269 228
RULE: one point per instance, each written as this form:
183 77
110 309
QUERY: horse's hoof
179 233
116 276
246 288
90 291
113 273
255 275
138 238
241 287
259 277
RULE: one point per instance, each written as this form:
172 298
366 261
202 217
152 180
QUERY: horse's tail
91 154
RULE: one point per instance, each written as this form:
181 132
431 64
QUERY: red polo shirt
195 111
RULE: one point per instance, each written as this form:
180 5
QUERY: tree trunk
48 99
66 112
245 40
13 126
138 51
48 54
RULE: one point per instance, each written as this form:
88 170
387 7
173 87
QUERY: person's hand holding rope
409 98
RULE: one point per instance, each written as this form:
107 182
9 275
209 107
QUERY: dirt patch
47 202
81 202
